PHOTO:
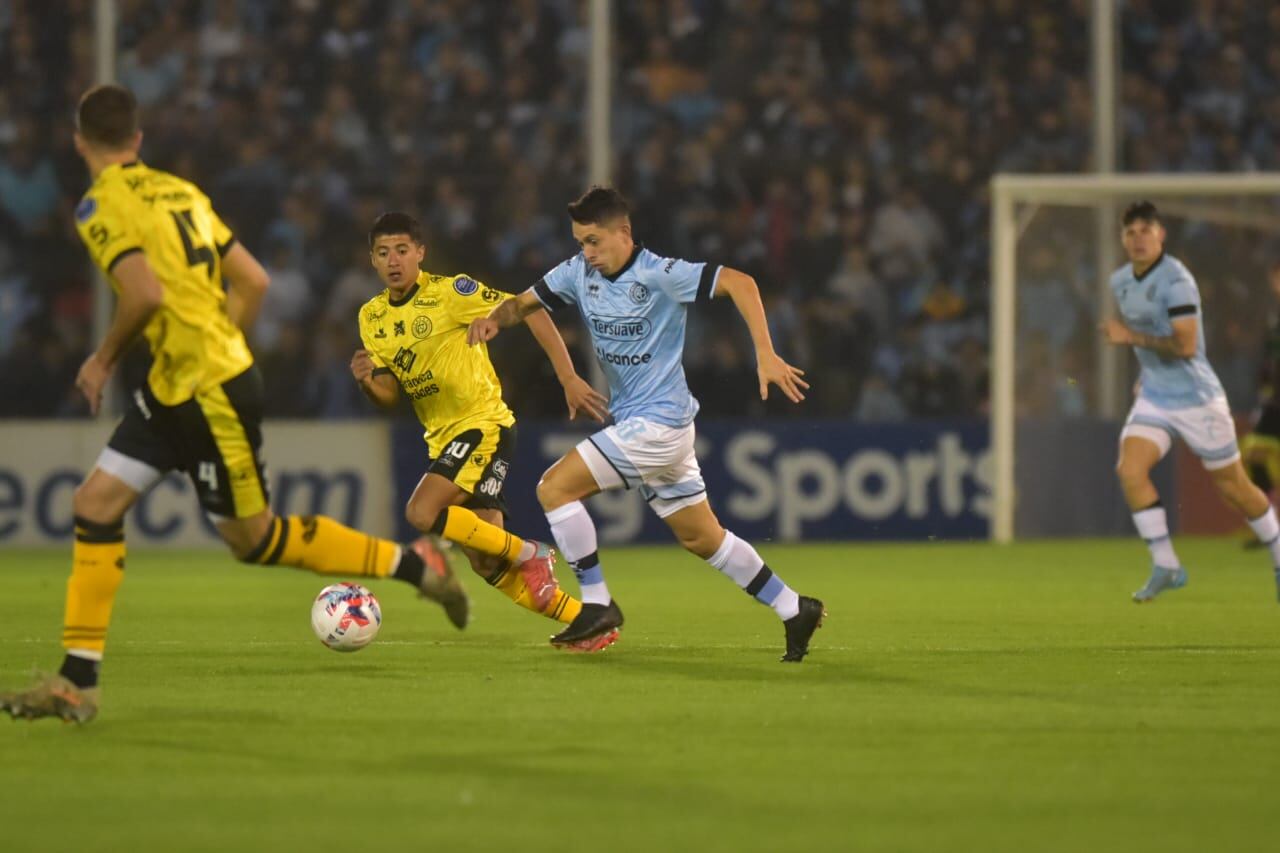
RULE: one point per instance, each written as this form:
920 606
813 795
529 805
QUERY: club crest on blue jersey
85 209
639 293
465 286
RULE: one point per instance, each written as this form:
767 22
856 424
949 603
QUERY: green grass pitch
960 697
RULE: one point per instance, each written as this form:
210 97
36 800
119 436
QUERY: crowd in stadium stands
838 151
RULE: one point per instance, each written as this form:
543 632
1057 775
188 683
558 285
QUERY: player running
1179 396
635 303
166 253
414 334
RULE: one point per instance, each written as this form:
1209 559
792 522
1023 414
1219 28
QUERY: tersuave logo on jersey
621 328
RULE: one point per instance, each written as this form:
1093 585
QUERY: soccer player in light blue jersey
1179 396
635 304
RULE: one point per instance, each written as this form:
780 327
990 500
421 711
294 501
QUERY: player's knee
423 515
1130 474
88 502
549 494
701 543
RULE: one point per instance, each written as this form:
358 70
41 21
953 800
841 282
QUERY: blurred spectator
878 402
839 152
287 302
29 191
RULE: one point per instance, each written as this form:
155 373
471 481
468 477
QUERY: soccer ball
346 617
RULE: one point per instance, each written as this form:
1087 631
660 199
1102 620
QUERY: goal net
1058 392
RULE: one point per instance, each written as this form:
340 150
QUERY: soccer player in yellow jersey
166 253
415 343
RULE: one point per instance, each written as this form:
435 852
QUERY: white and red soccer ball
346 617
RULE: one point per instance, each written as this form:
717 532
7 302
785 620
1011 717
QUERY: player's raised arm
141 295
248 284
504 316
770 368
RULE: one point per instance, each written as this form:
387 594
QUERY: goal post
1245 203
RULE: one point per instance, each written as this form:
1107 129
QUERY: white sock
743 565
1153 526
1267 528
575 534
527 550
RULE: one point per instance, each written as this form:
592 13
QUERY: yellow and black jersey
132 208
421 339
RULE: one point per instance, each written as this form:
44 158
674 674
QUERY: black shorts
215 437
477 461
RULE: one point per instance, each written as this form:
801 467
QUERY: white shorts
659 459
1208 430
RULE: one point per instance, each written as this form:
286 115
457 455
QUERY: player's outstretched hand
581 397
772 369
92 379
362 366
481 331
1115 332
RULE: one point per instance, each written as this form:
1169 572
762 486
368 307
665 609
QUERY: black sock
81 672
411 567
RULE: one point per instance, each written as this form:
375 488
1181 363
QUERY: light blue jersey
1149 304
636 319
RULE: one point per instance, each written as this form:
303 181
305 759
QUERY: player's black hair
1144 210
599 205
395 222
108 116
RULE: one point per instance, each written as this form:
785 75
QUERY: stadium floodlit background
840 152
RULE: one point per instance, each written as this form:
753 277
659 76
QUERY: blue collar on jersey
1148 270
635 253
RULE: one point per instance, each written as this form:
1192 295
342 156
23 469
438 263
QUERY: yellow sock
97 568
320 544
563 607
464 527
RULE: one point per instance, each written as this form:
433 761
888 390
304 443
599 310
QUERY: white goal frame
1101 192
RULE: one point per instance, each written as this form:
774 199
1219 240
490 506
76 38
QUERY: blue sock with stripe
743 565
575 535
